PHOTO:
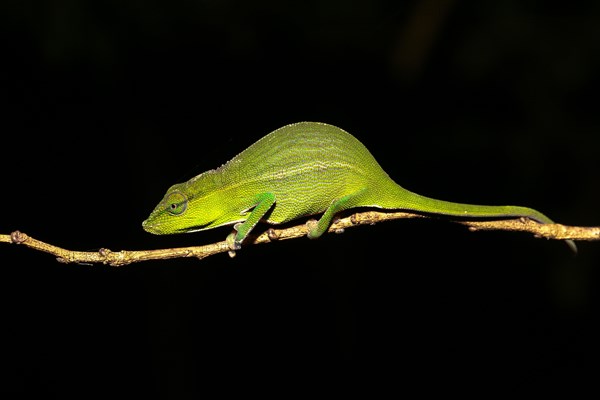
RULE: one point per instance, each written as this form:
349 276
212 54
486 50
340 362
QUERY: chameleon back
306 165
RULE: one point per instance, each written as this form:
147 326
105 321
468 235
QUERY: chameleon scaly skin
299 170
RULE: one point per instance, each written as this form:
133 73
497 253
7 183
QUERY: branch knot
18 237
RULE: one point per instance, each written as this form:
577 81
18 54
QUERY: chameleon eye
176 203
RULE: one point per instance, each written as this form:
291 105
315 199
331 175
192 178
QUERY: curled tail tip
572 246
541 218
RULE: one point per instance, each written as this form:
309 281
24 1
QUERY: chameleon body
298 170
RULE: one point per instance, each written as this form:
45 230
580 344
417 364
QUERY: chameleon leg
320 227
264 203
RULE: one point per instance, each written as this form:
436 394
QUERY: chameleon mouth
151 228
195 228
163 229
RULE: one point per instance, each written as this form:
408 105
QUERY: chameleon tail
407 200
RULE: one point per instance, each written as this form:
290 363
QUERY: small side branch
119 258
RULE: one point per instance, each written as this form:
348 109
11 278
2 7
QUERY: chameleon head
176 214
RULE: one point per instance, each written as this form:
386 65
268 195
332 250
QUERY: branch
116 259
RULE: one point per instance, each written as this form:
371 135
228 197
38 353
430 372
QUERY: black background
108 103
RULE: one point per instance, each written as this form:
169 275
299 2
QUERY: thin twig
119 258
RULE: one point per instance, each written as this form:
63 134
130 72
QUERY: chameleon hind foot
312 225
317 228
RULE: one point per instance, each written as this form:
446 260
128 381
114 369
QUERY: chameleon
299 170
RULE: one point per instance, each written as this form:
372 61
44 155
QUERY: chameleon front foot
241 229
234 240
232 244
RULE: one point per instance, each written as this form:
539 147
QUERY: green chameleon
295 171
